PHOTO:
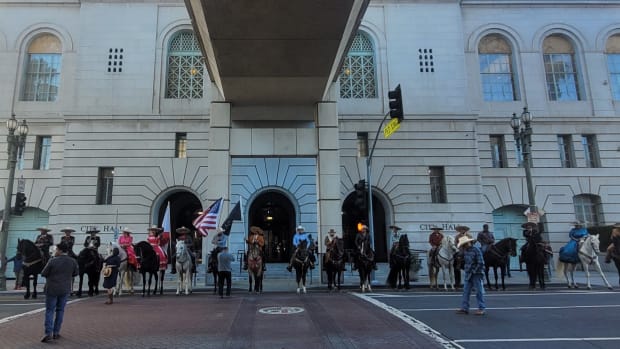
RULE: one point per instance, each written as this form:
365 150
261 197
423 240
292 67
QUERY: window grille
185 67
42 73
358 77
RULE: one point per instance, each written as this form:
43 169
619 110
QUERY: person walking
109 279
18 269
224 270
59 273
474 272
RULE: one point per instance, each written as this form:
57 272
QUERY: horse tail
559 268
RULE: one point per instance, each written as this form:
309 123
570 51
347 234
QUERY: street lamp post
14 142
523 137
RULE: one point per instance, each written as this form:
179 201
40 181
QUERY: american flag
209 218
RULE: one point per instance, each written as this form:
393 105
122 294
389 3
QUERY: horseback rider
183 234
330 247
220 241
485 238
68 240
126 242
362 240
614 246
156 242
569 252
395 235
530 232
300 236
92 240
44 241
256 236
435 241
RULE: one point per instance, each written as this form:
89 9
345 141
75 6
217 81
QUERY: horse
334 263
496 256
34 261
301 263
184 268
444 259
90 263
588 255
400 263
365 264
149 263
255 268
212 268
616 259
534 256
125 271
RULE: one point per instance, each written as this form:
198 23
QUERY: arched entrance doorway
184 208
351 216
273 212
507 222
24 227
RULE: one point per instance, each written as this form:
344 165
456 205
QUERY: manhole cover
280 310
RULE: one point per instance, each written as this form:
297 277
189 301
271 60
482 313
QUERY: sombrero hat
331 231
256 230
463 240
577 223
436 228
300 227
67 229
45 229
395 227
182 230
155 228
93 230
127 230
462 228
528 225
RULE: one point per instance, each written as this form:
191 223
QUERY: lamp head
526 116
515 122
22 129
11 124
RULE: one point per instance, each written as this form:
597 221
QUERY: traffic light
20 203
396 103
360 195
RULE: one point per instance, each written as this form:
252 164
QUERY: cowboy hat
577 223
155 228
461 228
67 229
436 228
395 227
256 230
463 240
127 230
93 230
332 231
182 230
300 227
364 227
45 229
526 225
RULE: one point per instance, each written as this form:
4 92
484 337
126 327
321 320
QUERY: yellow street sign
391 127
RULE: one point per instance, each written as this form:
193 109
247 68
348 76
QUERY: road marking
7 304
522 308
413 322
488 294
537 340
35 311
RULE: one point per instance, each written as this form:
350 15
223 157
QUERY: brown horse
255 268
334 263
34 261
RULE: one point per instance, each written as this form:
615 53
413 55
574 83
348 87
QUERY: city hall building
132 105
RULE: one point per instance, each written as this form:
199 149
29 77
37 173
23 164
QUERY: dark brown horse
34 261
149 263
400 263
535 258
335 263
365 262
301 263
90 263
496 256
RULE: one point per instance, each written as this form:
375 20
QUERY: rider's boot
289 268
608 257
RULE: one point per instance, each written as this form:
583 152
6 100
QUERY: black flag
234 215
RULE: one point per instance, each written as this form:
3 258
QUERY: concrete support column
328 168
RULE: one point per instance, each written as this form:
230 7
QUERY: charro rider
44 241
613 250
569 253
183 234
395 236
156 242
330 246
68 240
126 242
435 241
92 240
220 240
485 238
300 236
256 236
362 241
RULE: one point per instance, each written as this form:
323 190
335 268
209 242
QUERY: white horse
588 255
184 268
125 274
445 260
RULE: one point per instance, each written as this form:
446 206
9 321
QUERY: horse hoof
589 287
298 291
610 288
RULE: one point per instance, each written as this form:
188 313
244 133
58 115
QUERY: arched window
613 63
42 73
358 77
560 69
588 209
185 67
496 69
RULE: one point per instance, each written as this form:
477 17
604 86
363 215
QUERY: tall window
588 209
590 150
496 69
185 67
181 145
42 72
358 77
438 184
567 154
498 151
560 69
105 184
613 64
42 153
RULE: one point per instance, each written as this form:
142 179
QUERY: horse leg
34 286
597 265
502 271
495 274
80 283
486 274
26 282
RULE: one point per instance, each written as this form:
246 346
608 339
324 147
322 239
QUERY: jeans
224 276
475 280
54 304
